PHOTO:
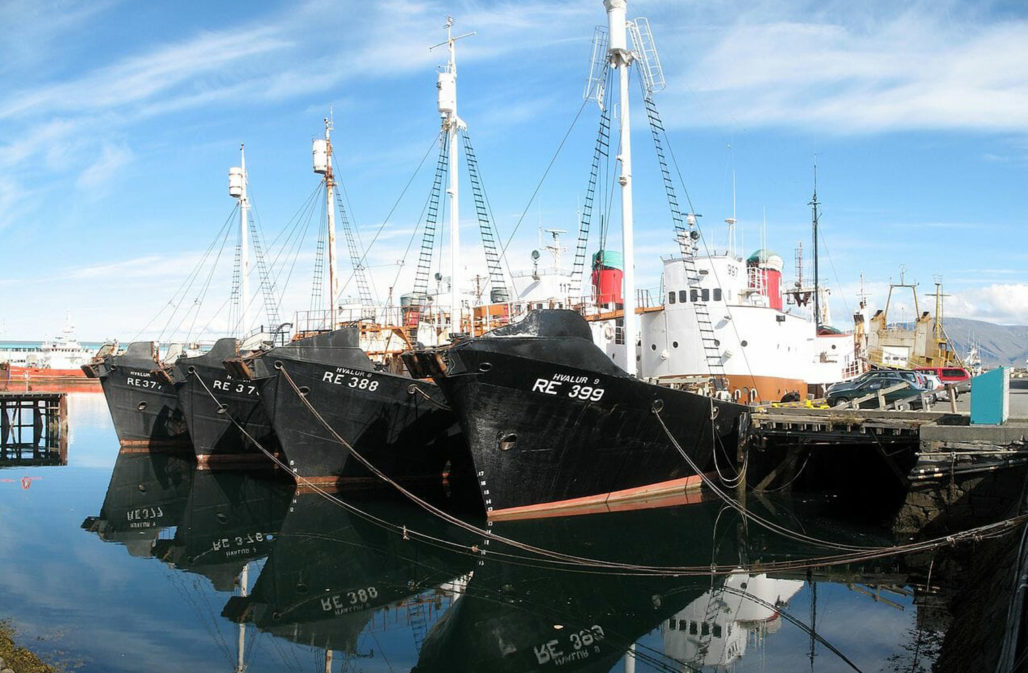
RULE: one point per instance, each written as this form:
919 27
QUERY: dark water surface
133 563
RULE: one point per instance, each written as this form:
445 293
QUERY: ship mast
330 184
447 86
621 58
237 189
817 291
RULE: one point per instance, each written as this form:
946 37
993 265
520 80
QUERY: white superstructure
767 347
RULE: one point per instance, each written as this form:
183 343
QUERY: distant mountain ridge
1005 345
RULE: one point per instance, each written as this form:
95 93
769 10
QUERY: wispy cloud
923 68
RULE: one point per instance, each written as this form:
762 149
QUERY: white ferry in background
54 365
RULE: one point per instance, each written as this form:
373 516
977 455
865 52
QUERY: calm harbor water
138 563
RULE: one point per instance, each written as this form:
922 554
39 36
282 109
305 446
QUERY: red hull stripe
676 492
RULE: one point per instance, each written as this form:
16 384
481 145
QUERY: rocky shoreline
14 659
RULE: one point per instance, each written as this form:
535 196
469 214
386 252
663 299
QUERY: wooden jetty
33 428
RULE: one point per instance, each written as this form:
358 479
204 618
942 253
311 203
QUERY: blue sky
119 121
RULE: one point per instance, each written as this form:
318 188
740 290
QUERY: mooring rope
562 561
769 525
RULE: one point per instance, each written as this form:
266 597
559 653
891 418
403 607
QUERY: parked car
845 393
955 375
909 374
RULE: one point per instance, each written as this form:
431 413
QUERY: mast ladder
485 225
600 152
317 283
431 222
684 234
359 273
267 285
234 302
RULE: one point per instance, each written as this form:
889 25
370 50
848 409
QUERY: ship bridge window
706 294
683 296
717 294
694 295
671 297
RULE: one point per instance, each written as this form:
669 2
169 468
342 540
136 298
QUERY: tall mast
237 189
330 184
817 291
447 86
621 58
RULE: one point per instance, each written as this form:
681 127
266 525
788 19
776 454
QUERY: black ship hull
387 419
226 421
145 410
554 427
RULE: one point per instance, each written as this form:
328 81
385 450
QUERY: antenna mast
817 291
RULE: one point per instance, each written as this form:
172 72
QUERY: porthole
674 344
222 408
141 406
653 347
485 366
744 343
305 391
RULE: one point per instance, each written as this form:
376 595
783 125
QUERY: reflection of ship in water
331 571
525 612
147 493
229 519
714 629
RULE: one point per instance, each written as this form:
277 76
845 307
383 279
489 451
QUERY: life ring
608 331
26 482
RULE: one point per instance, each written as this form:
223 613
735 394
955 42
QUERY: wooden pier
33 428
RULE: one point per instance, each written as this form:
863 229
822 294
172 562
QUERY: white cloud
111 158
1003 303
923 68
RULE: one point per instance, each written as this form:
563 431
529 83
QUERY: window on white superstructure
706 294
683 296
671 297
717 294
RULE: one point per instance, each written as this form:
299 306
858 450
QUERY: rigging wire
539 185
